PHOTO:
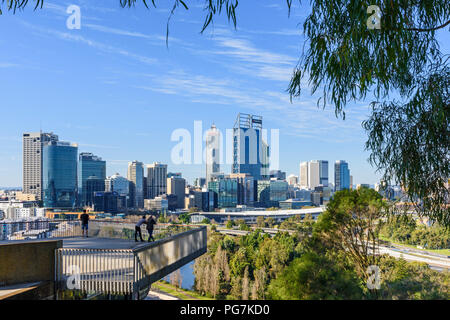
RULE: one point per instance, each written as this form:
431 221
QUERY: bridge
110 262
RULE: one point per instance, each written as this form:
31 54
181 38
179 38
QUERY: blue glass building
341 175
225 192
250 152
59 174
89 165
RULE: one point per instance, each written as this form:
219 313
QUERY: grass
178 292
445 252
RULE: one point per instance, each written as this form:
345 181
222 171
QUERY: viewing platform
109 261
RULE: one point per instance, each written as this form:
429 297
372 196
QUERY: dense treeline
327 259
404 229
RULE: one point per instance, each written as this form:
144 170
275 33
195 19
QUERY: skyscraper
177 186
59 174
156 179
341 175
313 173
136 177
33 144
89 165
323 173
212 152
250 153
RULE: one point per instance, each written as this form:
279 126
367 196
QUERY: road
435 262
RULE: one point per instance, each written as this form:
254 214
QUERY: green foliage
230 224
313 276
184 218
404 229
206 221
412 281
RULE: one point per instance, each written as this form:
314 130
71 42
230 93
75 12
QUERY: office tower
323 173
156 179
174 175
59 174
304 175
118 184
292 180
341 175
265 163
313 173
271 192
246 188
200 182
145 186
225 191
89 165
351 182
136 177
212 153
278 174
250 153
33 144
177 186
93 184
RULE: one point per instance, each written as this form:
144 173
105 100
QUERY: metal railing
128 271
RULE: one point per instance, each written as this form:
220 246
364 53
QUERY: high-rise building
278 174
89 165
33 144
250 152
292 180
118 184
156 180
225 191
93 184
313 173
136 177
341 175
323 173
212 152
177 186
246 188
304 175
59 174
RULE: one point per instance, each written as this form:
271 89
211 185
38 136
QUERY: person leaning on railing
150 223
138 229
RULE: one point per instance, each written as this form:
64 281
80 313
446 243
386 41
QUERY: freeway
436 262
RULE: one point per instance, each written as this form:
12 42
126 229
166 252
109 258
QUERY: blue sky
114 87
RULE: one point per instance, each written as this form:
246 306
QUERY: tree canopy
352 52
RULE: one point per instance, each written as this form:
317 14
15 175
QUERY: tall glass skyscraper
341 175
89 165
250 152
59 174
136 177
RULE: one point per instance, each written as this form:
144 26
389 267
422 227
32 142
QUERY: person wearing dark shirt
138 229
84 224
150 223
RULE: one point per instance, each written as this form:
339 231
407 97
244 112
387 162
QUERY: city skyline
104 101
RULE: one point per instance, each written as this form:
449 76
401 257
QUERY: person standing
150 223
138 229
84 224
